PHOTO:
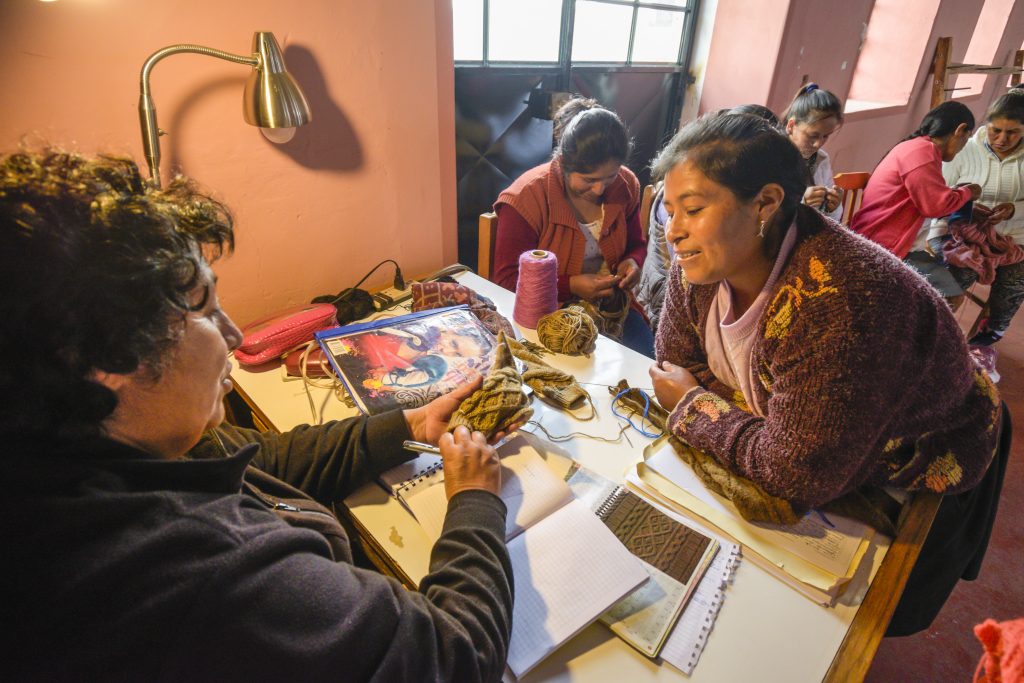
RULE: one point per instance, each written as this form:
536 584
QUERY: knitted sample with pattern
430 295
500 402
550 383
864 378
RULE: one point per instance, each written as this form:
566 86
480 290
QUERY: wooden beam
939 64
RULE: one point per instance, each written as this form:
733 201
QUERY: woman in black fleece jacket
152 544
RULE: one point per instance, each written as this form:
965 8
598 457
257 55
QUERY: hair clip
810 87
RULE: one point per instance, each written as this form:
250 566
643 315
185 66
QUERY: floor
949 651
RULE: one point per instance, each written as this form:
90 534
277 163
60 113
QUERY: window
984 43
627 32
894 45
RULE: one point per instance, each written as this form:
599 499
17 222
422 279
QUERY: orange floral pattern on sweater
790 298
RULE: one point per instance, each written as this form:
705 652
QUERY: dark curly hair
95 272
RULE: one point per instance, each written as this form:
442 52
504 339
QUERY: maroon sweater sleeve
843 407
516 235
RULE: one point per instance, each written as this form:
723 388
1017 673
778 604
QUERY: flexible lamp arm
147 112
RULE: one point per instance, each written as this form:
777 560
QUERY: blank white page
569 569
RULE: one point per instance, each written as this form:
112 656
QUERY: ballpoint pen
420 447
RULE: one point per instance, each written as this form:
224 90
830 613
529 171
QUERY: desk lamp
272 100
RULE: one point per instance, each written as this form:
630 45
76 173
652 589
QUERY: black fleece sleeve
327 461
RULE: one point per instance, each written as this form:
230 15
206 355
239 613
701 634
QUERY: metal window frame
565 63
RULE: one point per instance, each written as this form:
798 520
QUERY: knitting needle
420 447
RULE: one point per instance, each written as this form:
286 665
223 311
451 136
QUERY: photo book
409 360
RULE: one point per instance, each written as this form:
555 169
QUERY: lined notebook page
568 569
530 489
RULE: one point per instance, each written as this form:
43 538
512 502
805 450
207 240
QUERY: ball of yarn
570 331
536 288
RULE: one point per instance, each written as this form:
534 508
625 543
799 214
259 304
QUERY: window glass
601 32
984 43
657 36
524 30
468 24
893 48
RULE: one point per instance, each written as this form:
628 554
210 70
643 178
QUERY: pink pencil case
271 338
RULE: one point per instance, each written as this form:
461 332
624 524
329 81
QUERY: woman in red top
907 186
584 206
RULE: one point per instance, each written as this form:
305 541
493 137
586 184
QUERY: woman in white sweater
994 159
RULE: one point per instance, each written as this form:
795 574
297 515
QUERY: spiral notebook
415 475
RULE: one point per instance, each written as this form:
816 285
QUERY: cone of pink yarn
536 288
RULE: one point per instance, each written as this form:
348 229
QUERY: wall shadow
327 143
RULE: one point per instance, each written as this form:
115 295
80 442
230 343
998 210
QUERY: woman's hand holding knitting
427 423
1003 212
469 463
629 271
591 286
671 383
821 197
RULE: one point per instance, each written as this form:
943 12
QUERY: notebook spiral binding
609 504
419 477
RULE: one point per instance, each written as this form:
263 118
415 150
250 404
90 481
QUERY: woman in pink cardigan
907 185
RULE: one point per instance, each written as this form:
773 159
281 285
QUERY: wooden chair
487 229
853 185
646 199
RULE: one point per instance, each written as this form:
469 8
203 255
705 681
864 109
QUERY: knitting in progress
430 295
500 402
551 384
609 314
568 330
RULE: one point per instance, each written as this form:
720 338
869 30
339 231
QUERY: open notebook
568 567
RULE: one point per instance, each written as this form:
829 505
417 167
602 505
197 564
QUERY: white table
765 630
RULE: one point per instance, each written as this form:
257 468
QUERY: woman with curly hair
154 544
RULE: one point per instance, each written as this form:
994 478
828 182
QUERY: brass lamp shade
272 97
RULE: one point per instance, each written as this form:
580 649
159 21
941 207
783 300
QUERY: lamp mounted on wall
272 100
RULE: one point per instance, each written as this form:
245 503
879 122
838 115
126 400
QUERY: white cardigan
823 176
1001 181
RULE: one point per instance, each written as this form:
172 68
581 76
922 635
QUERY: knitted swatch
609 313
500 402
550 383
430 295
569 330
867 504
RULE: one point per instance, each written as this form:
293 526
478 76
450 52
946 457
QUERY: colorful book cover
409 360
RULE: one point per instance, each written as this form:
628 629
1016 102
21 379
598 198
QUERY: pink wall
372 177
821 40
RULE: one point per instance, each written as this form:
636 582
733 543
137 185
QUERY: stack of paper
817 556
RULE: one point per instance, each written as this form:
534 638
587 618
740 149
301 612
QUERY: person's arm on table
832 391
285 609
330 461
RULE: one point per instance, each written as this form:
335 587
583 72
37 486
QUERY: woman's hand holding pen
470 463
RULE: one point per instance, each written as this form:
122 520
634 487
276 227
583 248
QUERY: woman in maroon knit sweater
812 361
584 206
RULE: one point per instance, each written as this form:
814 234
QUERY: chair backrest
486 230
645 209
853 185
